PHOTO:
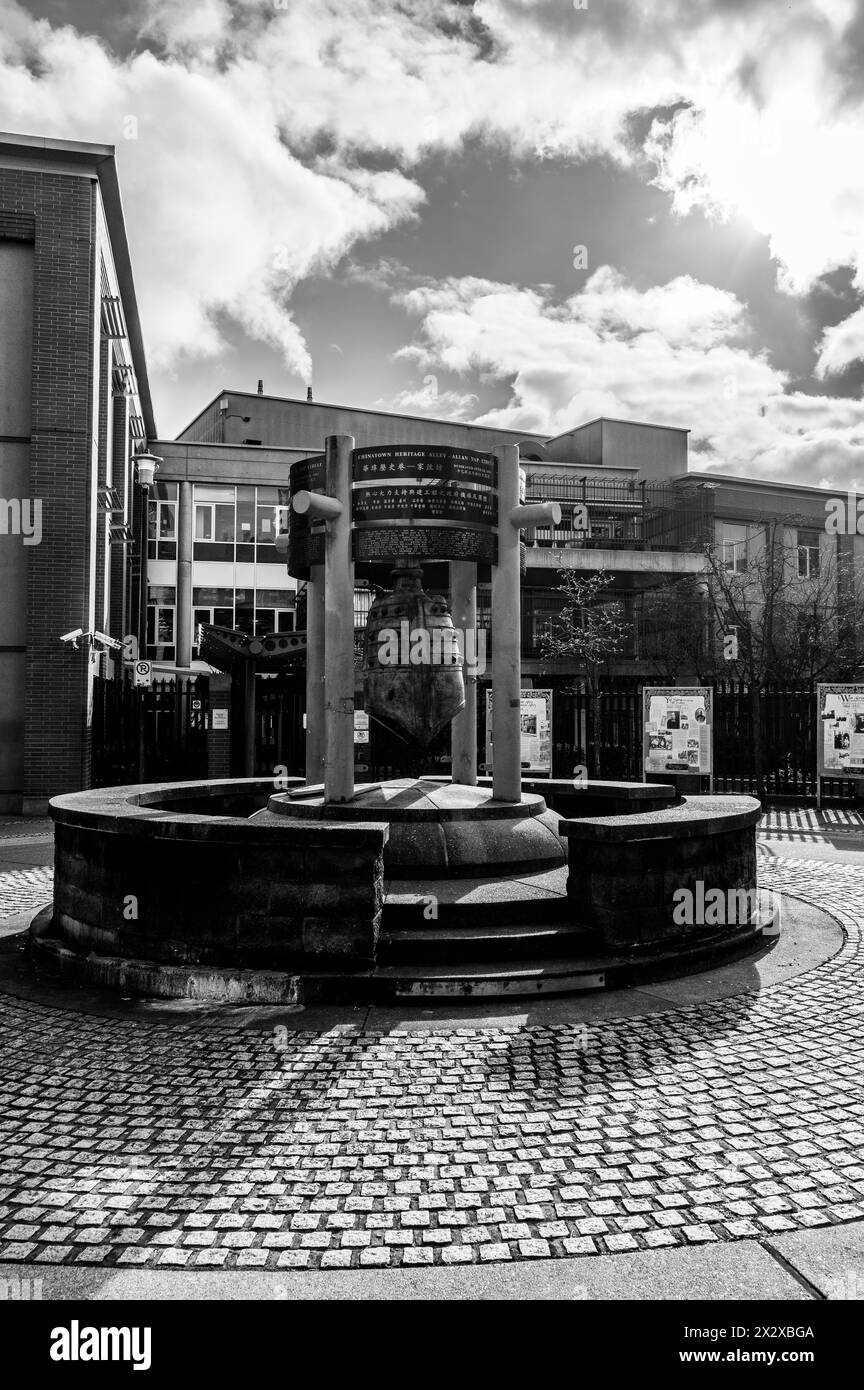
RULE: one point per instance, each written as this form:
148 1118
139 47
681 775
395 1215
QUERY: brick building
74 400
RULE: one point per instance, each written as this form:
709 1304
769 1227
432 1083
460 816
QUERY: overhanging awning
225 647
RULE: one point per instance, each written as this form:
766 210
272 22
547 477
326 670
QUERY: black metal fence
787 715
155 733
279 738
159 733
787 718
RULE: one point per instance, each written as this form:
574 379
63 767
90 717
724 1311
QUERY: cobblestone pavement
25 888
136 1143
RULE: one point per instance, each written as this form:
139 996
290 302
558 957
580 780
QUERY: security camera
107 641
73 637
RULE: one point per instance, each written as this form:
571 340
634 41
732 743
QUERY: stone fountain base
225 891
437 830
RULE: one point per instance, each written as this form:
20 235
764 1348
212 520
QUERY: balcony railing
621 515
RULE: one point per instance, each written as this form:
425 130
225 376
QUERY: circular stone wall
223 891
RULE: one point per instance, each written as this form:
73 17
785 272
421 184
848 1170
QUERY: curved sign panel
426 501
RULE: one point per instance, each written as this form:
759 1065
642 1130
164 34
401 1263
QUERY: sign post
535 733
839 734
677 731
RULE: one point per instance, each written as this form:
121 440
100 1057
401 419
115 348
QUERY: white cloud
222 217
676 354
275 137
842 345
429 400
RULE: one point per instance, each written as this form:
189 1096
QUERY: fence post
219 738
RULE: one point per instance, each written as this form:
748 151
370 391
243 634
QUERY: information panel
535 730
840 730
677 728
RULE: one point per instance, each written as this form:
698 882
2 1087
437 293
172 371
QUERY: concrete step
435 942
418 904
488 979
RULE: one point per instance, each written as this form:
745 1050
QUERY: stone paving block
450 1146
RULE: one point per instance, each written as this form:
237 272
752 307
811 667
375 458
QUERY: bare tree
588 632
781 617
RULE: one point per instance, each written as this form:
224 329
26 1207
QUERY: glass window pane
245 519
166 521
274 598
214 494
207 597
203 523
165 625
224 523
266 524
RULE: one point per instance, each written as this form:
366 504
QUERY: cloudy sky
526 212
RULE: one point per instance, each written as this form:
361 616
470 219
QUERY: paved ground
736 1121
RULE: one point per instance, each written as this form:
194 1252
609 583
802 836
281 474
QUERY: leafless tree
587 632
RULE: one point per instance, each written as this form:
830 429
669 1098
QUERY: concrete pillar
315 675
463 730
184 575
506 621
338 625
506 635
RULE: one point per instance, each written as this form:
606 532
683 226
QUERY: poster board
677 730
535 732
839 731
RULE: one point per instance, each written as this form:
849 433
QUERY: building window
362 603
271 517
808 554
274 611
162 522
257 612
735 548
161 621
214 526
245 524
211 605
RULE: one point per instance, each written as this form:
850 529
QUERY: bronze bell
413 677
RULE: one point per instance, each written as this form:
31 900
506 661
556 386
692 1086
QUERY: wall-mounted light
146 468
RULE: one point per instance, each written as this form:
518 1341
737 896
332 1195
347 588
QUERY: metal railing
622 515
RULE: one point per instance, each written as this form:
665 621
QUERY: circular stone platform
438 830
